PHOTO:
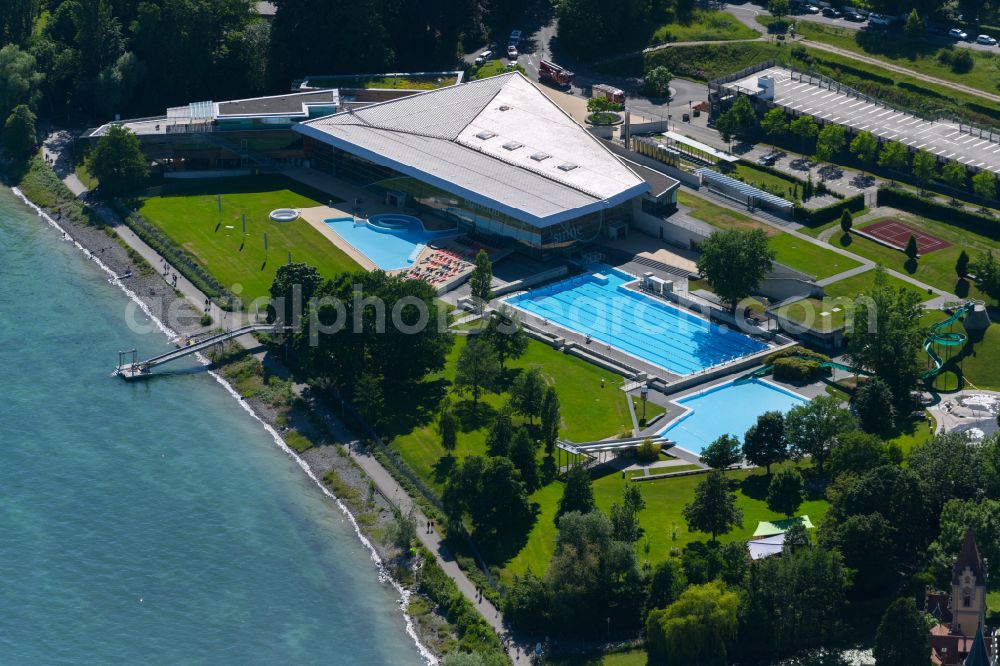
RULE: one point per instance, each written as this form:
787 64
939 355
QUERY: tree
796 537
764 442
987 271
20 80
962 265
722 453
657 81
522 454
16 19
865 147
857 452
501 434
795 601
698 628
773 122
505 334
846 221
601 105
551 419
665 584
955 175
491 492
19 135
805 128
738 120
448 428
874 405
369 397
578 495
528 393
625 516
778 8
713 509
886 337
477 369
593 579
914 28
957 517
812 429
735 262
924 167
949 466
829 142
984 184
725 125
294 285
785 492
117 161
481 281
903 638
893 157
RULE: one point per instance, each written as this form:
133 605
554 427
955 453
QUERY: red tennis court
896 233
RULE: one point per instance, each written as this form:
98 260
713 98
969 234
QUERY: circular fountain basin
284 215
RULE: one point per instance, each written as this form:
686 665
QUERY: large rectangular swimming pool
726 409
599 306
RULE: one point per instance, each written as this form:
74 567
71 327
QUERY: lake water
155 522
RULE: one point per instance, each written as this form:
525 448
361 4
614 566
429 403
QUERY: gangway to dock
136 369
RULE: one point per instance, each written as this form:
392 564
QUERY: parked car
812 9
512 52
958 33
515 37
830 12
986 39
483 57
878 19
854 17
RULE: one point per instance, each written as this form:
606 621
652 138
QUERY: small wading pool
284 215
390 241
727 409
598 305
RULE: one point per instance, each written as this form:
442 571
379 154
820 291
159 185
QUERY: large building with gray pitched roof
496 155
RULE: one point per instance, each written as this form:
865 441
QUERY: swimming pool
659 333
727 409
390 241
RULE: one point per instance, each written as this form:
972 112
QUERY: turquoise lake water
155 522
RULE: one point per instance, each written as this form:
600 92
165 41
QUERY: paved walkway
383 480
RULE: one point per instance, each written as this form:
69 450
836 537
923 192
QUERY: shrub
647 451
829 213
206 320
962 61
797 370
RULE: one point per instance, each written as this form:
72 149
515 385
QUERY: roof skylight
485 134
512 145
540 157
567 166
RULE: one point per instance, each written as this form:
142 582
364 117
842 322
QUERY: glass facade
470 215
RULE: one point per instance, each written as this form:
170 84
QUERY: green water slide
768 369
938 337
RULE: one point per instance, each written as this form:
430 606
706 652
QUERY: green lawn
719 216
401 82
188 213
588 411
810 258
935 268
492 68
979 360
856 284
788 188
920 55
703 25
652 409
630 658
662 518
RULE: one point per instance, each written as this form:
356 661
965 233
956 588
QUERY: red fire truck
609 93
554 74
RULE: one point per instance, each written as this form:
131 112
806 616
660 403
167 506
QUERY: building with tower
961 637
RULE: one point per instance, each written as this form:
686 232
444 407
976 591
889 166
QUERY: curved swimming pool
391 241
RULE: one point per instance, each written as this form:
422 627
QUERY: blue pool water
727 409
390 241
638 325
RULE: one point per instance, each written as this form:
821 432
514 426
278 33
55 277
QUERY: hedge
474 632
914 203
818 216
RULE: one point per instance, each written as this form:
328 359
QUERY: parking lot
941 138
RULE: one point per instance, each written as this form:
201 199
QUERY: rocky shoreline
372 515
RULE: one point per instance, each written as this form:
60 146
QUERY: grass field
788 188
401 82
920 55
492 68
719 216
662 518
809 258
979 360
935 268
703 25
588 411
629 658
188 213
